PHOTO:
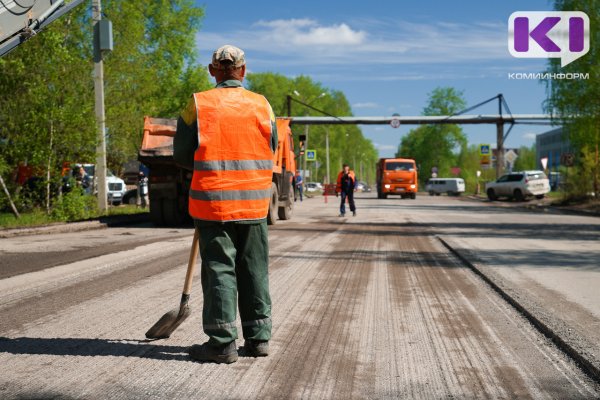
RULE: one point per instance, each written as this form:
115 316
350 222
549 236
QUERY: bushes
75 205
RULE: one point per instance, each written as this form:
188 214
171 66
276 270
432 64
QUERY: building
552 145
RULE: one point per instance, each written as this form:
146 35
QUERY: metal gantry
459 118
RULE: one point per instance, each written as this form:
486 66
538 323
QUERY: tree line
347 144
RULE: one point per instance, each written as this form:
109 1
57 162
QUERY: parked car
313 186
115 188
363 187
519 186
451 186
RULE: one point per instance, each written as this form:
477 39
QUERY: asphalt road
371 306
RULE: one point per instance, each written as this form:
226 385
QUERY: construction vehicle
169 184
397 176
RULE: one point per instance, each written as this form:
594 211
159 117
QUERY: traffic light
302 139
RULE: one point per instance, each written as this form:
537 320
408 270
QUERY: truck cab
397 176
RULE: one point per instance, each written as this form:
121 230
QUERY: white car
115 188
313 186
451 186
519 186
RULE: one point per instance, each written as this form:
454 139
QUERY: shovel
171 320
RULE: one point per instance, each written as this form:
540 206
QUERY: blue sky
386 56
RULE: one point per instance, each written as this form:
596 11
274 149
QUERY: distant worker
83 180
346 184
299 184
228 136
143 189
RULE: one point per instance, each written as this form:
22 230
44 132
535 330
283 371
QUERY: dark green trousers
234 273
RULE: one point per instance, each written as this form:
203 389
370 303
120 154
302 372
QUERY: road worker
346 185
299 184
228 136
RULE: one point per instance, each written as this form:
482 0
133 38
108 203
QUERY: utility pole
499 142
306 104
327 152
100 171
304 156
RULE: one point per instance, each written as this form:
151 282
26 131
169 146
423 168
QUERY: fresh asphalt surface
371 306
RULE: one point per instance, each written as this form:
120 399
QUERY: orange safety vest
233 165
338 187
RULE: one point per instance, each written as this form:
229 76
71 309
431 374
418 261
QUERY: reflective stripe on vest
233 165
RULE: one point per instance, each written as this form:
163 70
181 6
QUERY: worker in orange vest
227 135
346 185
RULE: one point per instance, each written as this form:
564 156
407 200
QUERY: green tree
436 145
346 142
46 86
153 69
526 159
576 103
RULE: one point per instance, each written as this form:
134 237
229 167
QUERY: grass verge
39 218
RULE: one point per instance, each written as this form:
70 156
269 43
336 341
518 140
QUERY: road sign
567 159
484 149
510 156
395 123
311 155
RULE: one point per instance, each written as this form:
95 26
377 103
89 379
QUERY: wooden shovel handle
189 276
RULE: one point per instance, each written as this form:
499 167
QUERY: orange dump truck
397 176
169 184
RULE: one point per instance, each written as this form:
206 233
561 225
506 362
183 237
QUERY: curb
587 366
536 207
98 223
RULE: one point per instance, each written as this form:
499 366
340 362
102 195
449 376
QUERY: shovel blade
167 324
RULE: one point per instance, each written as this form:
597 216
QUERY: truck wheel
285 212
156 212
539 196
518 195
171 214
272 216
491 195
413 196
431 192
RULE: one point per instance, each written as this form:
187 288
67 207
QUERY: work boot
256 348
354 213
226 353
341 215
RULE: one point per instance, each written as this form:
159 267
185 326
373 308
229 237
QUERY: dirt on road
363 307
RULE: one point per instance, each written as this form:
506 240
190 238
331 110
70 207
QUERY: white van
452 186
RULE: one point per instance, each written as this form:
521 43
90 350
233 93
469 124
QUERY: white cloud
529 135
303 41
365 105
308 32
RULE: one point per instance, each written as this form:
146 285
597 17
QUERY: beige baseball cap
228 53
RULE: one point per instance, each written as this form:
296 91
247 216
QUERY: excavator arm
22 19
